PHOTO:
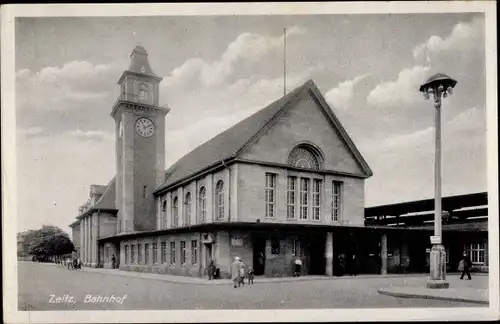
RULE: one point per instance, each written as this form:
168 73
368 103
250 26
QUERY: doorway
259 254
208 255
317 255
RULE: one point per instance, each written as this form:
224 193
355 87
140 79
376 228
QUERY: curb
420 296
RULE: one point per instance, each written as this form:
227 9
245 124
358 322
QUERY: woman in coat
235 271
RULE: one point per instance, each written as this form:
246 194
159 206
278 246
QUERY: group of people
239 273
71 263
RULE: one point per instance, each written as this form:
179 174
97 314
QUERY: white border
9 202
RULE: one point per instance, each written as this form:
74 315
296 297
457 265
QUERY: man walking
464 266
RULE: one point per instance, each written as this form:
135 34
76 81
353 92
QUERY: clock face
144 127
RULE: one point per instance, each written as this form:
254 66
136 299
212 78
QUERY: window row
306 197
188 207
130 256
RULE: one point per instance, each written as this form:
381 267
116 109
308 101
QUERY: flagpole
284 62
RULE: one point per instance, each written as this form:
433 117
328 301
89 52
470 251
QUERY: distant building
287 181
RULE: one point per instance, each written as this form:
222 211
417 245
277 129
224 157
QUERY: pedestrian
354 266
242 275
464 266
298 266
211 269
250 275
113 261
235 271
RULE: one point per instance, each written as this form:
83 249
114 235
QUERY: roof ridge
278 103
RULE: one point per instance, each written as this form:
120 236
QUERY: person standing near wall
211 269
113 261
298 266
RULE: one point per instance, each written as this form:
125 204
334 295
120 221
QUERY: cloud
68 87
465 37
342 95
401 92
246 49
409 158
91 135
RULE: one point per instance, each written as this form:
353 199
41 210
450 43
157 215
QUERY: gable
308 121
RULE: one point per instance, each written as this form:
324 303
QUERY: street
49 287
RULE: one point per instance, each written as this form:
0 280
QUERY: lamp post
439 86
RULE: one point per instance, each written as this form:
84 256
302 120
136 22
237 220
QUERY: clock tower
140 144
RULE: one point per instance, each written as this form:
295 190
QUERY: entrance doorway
208 255
317 255
259 253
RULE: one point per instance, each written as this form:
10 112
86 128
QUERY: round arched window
304 157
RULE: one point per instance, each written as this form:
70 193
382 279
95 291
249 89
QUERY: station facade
287 181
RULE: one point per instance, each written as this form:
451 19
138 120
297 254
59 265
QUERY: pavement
51 287
469 291
205 281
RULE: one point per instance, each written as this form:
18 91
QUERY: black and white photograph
250 162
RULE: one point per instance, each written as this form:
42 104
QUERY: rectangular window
316 199
145 192
155 253
270 194
476 253
126 254
336 200
304 197
146 253
275 246
132 254
183 252
163 252
172 253
290 197
296 247
139 253
194 251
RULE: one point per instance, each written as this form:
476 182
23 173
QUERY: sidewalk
205 281
473 291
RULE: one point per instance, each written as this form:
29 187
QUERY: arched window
175 212
305 156
163 219
187 210
203 205
219 200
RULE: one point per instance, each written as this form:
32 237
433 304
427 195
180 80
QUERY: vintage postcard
250 162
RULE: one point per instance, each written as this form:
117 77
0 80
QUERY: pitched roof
106 202
234 140
139 62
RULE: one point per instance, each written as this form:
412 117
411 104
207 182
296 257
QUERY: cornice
136 107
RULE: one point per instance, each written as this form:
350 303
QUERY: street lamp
438 86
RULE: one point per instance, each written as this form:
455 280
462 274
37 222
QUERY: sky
217 70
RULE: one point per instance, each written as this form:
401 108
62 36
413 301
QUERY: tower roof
139 63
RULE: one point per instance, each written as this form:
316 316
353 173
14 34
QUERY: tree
50 241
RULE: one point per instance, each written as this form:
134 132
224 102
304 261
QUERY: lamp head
438 83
